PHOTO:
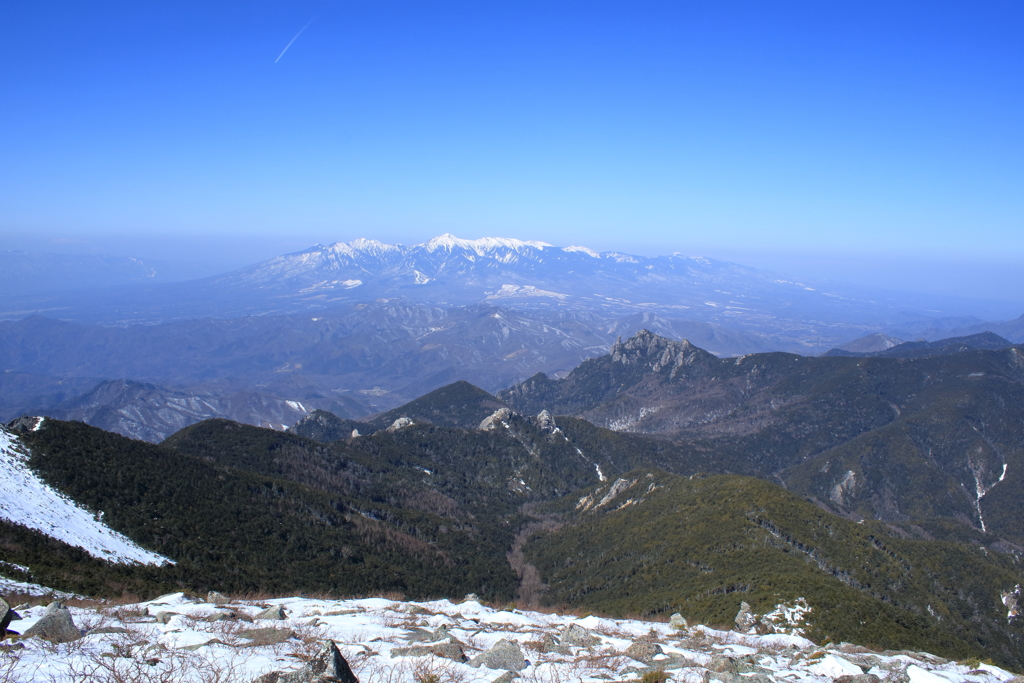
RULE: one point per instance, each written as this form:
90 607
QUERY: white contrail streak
293 40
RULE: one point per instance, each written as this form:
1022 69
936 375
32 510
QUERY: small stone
56 625
213 641
861 678
440 633
412 651
266 636
503 655
275 613
551 644
545 421
643 651
108 629
327 666
164 617
399 424
506 677
726 677
215 598
722 664
471 597
6 616
576 635
745 620
677 622
226 615
452 651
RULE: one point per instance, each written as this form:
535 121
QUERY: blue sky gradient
824 136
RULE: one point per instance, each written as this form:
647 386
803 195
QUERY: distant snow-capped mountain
450 270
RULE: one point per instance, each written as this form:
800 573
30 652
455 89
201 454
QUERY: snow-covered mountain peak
485 246
362 245
585 250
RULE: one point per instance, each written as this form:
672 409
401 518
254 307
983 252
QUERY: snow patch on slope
26 500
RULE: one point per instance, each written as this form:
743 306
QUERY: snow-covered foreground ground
128 643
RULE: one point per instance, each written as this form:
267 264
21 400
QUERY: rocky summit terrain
218 639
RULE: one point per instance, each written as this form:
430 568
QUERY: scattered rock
275 613
440 633
862 678
107 629
328 666
551 644
503 655
215 598
674 660
229 615
506 677
6 617
399 424
164 617
494 420
722 664
419 635
212 641
726 677
56 625
677 622
745 620
643 651
452 651
545 421
412 651
266 636
220 616
576 635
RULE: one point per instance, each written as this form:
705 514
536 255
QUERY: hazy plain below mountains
360 327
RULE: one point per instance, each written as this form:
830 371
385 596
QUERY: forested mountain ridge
657 543
889 438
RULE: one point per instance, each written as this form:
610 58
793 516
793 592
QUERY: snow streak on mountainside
27 500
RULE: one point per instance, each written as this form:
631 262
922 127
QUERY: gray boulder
676 621
328 666
722 664
275 613
56 625
266 636
865 678
643 651
164 617
7 615
545 421
745 620
577 636
452 651
504 654
215 598
551 644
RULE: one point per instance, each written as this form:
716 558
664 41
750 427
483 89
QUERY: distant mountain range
362 327
448 272
353 360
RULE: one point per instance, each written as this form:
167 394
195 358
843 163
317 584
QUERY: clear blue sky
816 135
